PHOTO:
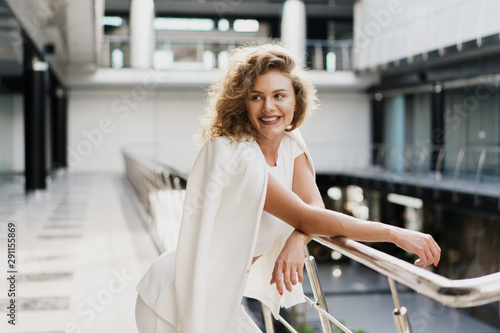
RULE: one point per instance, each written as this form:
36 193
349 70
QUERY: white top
272 227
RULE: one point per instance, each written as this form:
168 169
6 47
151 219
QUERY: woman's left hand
289 266
423 245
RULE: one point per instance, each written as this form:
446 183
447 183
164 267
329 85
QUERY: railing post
460 158
400 314
318 57
380 155
319 296
480 164
421 160
345 58
268 319
439 164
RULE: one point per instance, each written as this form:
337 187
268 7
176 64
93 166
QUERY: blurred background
100 106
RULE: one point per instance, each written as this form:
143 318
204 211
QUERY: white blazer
199 286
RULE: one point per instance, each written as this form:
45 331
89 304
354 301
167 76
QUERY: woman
251 204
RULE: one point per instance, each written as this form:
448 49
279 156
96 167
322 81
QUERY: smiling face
271 105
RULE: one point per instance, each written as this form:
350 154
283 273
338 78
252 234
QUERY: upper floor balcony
196 59
211 52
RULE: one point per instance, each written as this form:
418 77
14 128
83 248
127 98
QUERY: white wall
18 142
388 30
11 133
102 122
170 118
6 134
338 135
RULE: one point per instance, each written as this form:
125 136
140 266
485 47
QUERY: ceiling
71 28
74 30
10 48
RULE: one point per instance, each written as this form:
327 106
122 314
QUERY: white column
293 28
142 33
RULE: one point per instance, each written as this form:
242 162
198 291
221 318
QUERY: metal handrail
319 295
453 293
160 189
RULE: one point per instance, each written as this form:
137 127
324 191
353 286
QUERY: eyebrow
277 90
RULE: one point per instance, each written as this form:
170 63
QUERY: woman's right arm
288 207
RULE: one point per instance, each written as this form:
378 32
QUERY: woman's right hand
423 245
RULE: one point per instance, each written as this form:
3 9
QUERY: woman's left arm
288 206
291 259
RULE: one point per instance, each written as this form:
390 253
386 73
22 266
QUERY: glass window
394 133
331 62
418 131
117 59
223 25
472 129
183 24
407 123
208 59
246 25
223 60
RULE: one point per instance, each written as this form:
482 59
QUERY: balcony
211 52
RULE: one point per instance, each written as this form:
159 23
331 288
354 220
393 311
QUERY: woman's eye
279 96
255 98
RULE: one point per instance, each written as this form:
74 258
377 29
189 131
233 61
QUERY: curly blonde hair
226 112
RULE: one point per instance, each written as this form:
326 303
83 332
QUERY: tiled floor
80 252
82 247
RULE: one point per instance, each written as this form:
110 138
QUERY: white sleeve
296 149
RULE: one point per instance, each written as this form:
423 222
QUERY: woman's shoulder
295 136
226 157
227 143
228 148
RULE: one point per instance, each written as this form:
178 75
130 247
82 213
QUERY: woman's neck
269 149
